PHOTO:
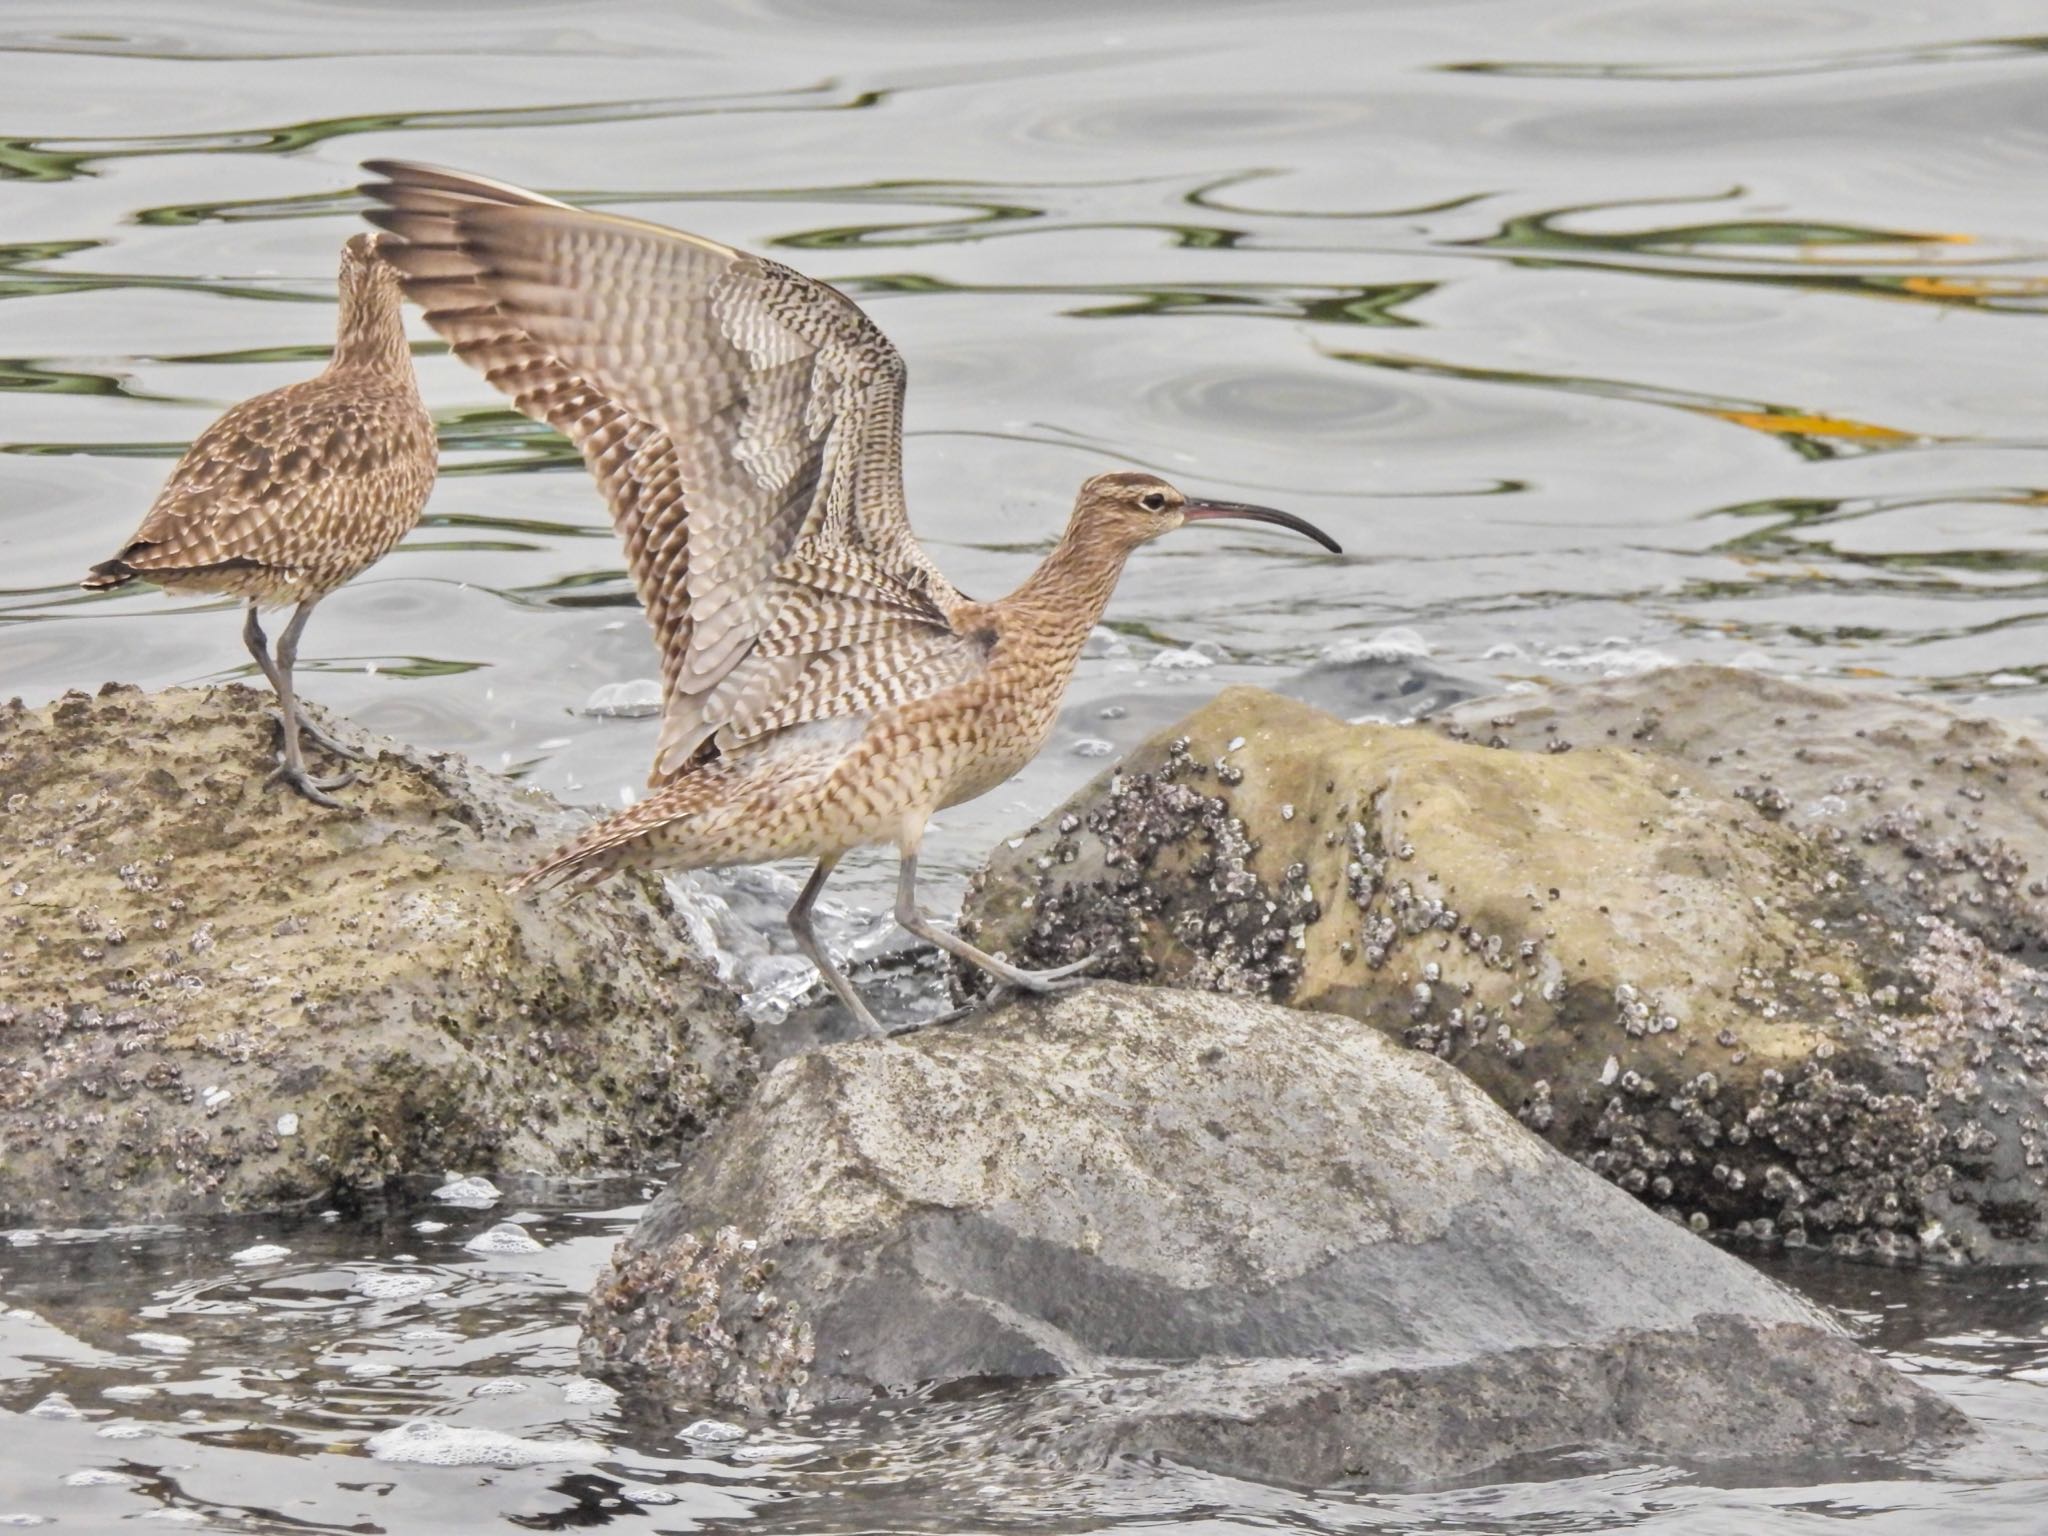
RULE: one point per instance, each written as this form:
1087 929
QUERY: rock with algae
1223 1225
1789 993
217 996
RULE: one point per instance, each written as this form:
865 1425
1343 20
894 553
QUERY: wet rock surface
1762 954
1728 1389
1259 1239
215 995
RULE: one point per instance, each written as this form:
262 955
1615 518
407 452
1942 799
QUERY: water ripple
61 159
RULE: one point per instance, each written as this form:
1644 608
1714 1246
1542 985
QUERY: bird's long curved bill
1238 511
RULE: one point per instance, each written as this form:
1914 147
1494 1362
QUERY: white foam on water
163 1343
770 985
429 1443
1172 660
728 916
468 1191
429 1228
1614 657
1398 644
395 1287
582 1389
1104 641
500 1389
125 1432
641 1493
630 700
262 1253
22 1522
56 1406
1093 746
505 1237
712 1432
97 1477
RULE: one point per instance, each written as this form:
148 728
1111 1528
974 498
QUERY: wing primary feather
742 420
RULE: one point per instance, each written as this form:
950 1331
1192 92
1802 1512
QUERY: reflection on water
1607 331
63 159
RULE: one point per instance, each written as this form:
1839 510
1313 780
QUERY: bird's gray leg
291 764
917 923
252 637
807 941
288 646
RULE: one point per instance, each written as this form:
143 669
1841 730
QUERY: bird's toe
313 789
308 731
952 1016
1058 978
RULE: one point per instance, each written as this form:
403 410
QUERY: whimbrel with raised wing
824 687
293 493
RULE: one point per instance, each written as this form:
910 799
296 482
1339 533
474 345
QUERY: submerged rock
1793 998
218 996
1726 1389
1121 1181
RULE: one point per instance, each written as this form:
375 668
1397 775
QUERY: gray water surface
1600 331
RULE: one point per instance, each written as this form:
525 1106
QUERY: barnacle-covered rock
217 996
1252 1238
1785 991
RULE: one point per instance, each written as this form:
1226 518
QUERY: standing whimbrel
824 688
291 494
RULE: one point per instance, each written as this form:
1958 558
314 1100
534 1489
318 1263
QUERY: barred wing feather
743 421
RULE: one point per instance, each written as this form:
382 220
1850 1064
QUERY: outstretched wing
743 421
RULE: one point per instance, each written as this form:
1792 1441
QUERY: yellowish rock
1718 1010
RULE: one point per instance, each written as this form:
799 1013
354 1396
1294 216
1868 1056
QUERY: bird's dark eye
1152 501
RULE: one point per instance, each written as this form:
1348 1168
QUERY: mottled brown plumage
291 494
824 687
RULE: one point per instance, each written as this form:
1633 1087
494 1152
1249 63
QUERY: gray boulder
1764 955
1135 1180
217 996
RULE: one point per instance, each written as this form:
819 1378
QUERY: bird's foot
951 1016
326 743
313 789
1060 978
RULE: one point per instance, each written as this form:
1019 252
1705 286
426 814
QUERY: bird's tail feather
107 575
630 839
